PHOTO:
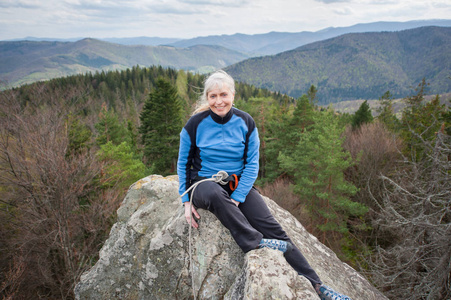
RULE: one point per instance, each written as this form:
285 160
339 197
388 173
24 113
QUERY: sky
193 18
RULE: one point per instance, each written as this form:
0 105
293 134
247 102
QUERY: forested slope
376 191
26 62
356 66
69 149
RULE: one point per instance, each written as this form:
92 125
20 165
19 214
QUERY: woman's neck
224 119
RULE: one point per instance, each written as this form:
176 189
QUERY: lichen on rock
146 256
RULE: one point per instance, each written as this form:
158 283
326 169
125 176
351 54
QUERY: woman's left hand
235 202
189 215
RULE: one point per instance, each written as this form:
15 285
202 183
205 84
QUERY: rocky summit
147 256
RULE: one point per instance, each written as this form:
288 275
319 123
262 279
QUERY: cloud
382 2
224 3
19 4
367 2
133 8
333 1
102 5
176 9
98 10
189 18
344 11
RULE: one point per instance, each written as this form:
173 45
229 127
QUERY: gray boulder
147 256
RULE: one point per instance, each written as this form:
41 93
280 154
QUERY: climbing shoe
326 293
275 244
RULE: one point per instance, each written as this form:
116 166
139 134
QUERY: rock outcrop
146 256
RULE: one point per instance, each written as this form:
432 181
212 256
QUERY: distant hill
399 104
141 40
263 44
357 65
277 42
26 61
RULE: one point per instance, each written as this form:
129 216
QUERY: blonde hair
217 79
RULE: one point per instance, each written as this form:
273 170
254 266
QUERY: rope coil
220 178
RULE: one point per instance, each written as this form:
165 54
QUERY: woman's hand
189 215
235 202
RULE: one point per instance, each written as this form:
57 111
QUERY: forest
356 66
372 186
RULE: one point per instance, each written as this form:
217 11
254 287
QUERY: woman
220 137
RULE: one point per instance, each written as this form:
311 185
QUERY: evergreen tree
133 136
421 121
284 133
109 128
161 122
312 93
447 118
385 112
362 115
79 136
303 115
317 165
262 110
182 90
121 167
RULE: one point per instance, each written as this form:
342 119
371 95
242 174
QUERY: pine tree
447 119
312 93
133 136
161 122
385 112
79 136
109 128
420 122
284 132
317 165
362 115
262 110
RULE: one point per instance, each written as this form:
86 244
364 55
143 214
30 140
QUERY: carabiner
233 184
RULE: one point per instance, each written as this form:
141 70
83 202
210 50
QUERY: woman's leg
257 213
211 196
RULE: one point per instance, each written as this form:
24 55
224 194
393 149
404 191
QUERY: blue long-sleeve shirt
210 143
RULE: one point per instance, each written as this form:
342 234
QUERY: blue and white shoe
275 244
326 293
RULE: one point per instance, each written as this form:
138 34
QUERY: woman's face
220 100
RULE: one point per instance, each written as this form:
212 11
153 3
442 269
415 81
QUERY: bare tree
413 259
375 150
51 212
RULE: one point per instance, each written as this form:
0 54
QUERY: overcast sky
192 18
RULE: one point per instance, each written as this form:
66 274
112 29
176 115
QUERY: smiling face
220 100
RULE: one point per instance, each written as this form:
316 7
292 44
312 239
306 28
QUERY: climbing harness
222 178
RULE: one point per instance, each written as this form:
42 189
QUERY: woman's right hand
189 215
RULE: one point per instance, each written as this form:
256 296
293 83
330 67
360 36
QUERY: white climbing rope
219 178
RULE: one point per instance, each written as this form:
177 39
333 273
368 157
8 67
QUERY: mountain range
277 42
28 61
357 65
343 64
266 43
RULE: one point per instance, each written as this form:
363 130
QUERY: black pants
249 222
